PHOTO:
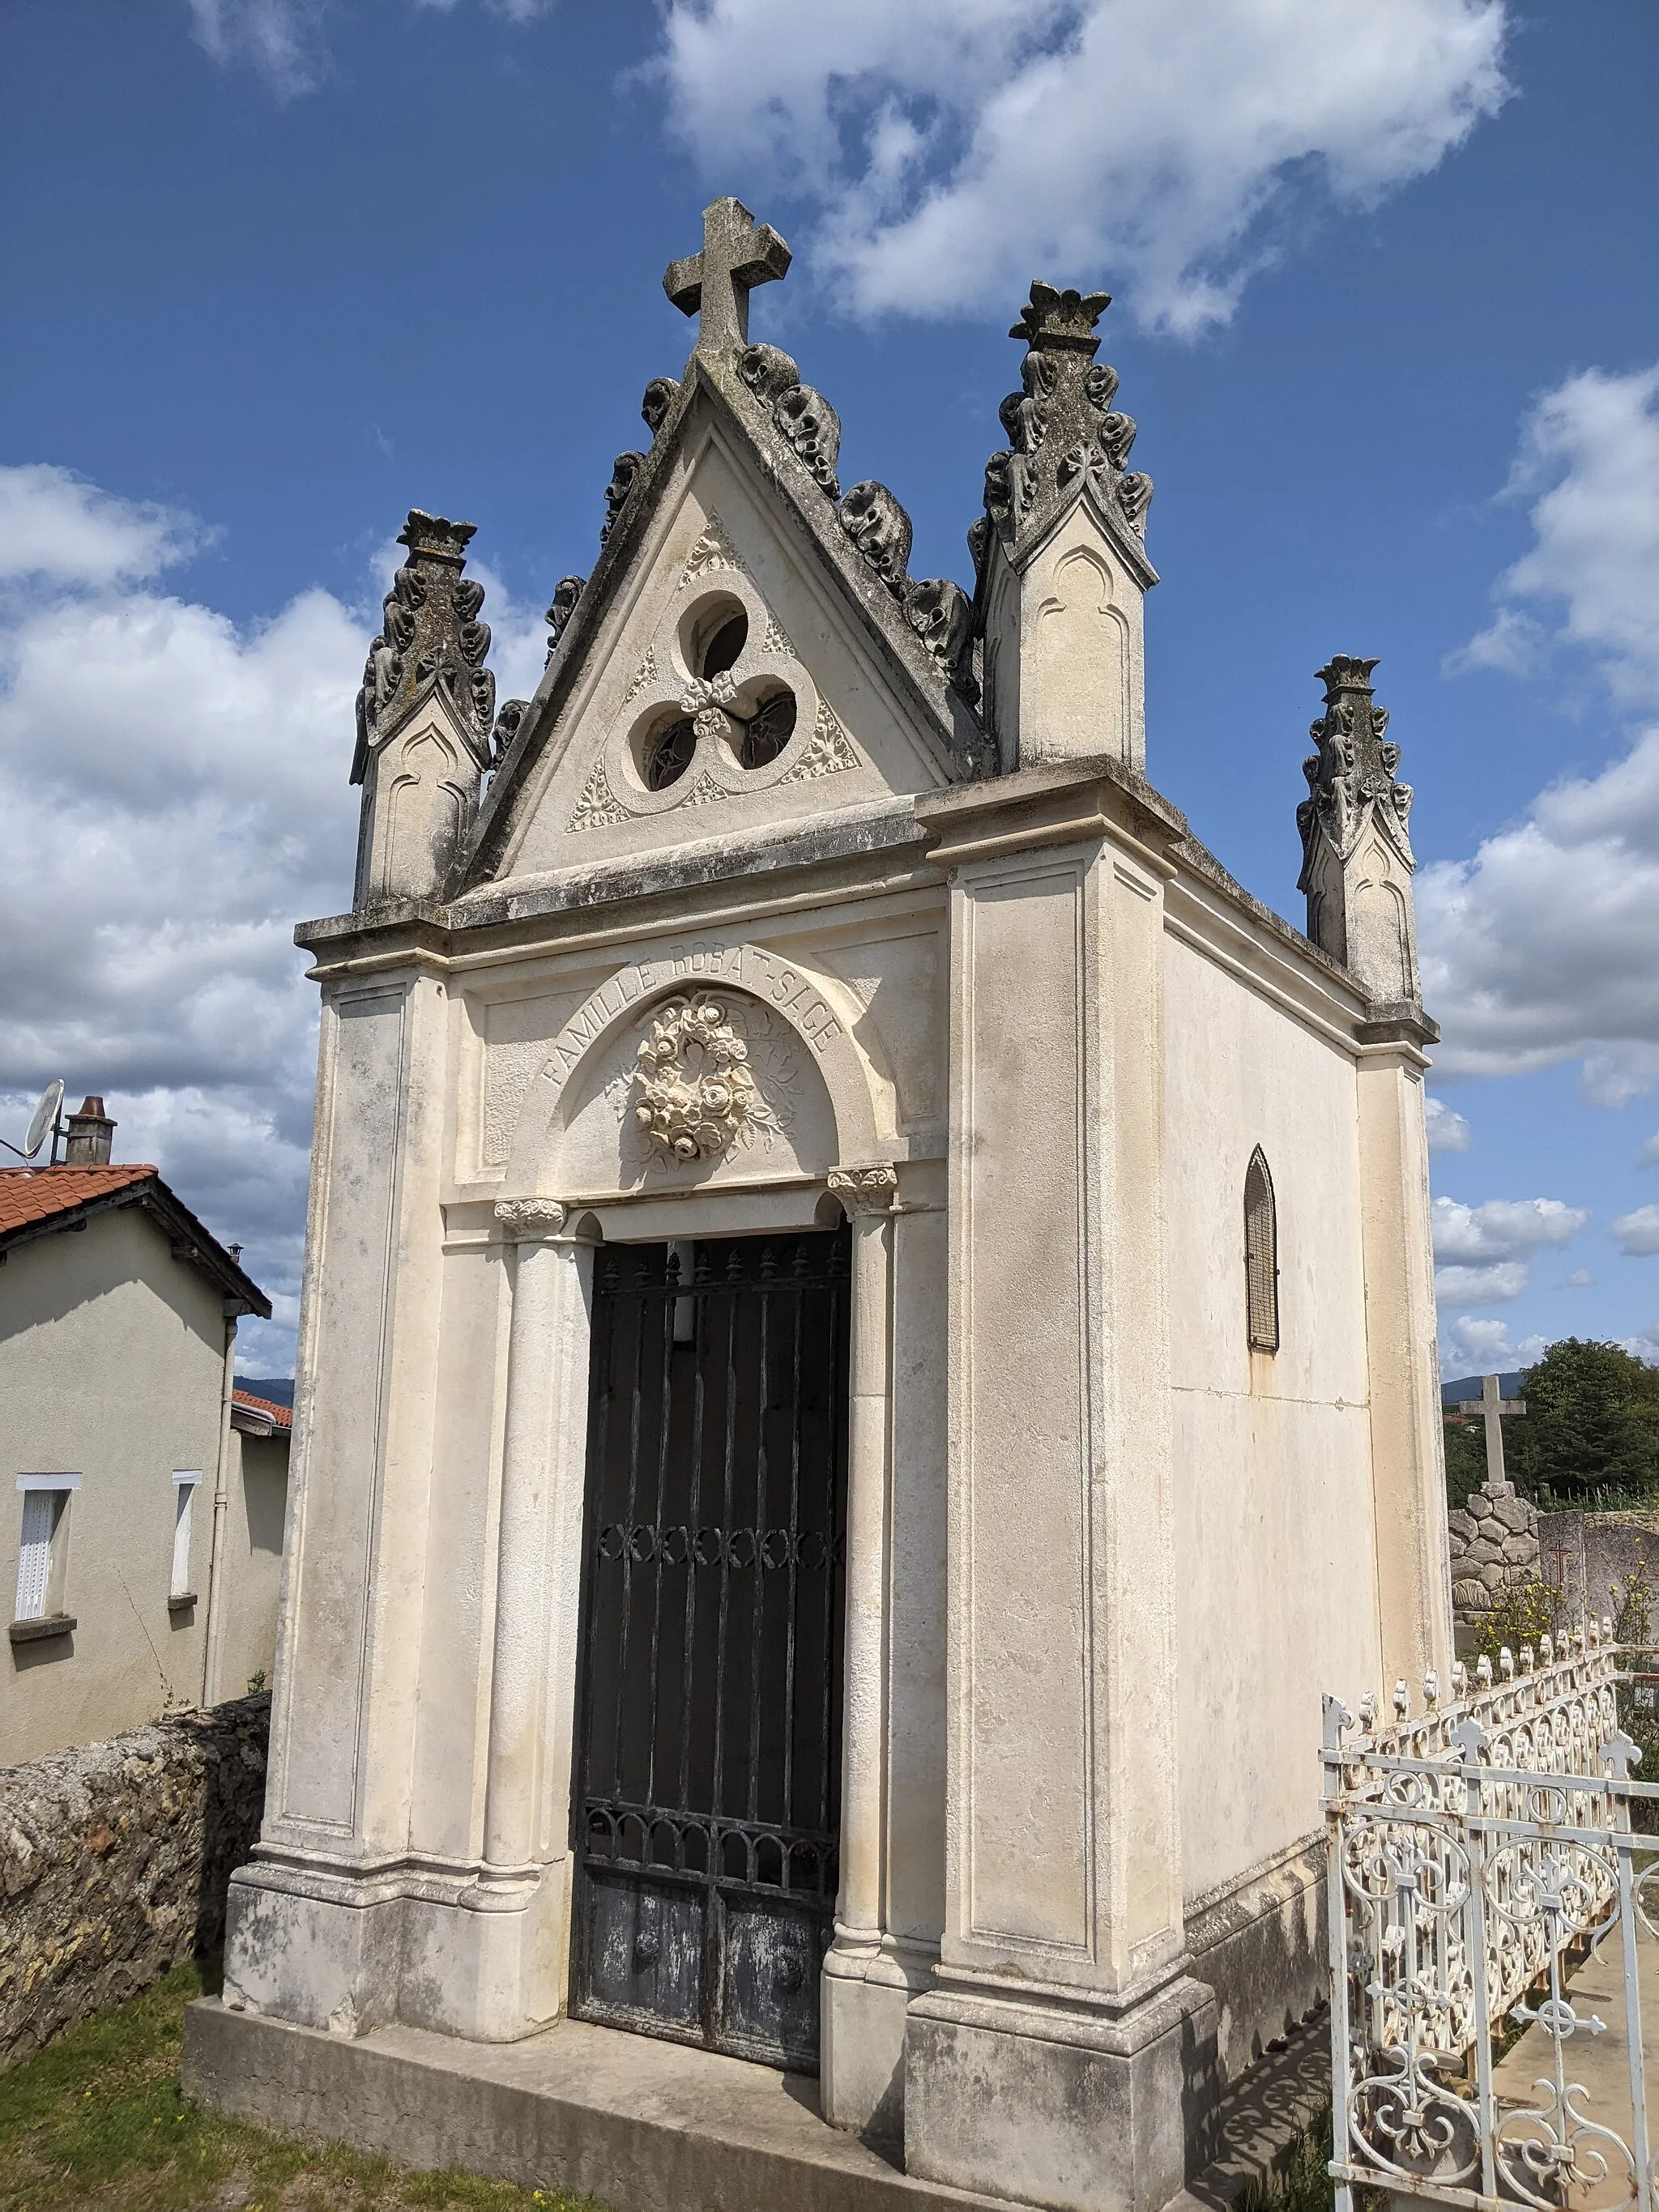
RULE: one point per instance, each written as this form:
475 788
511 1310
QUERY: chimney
89 1134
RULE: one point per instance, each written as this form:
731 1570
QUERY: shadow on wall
114 1862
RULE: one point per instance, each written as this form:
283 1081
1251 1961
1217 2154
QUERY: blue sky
1387 280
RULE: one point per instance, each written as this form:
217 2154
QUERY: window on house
184 1492
41 1551
1261 1256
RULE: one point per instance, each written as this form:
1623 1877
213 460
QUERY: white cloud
1647 1154
1637 1234
1448 1131
1579 1279
281 39
1501 1229
1545 946
1644 1344
172 798
1479 1286
956 149
1483 1347
284 40
1590 451
1481 1251
56 528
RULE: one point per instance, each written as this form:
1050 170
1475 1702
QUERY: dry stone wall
1494 1548
115 1859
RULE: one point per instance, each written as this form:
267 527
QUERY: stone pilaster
314 1924
1064 2053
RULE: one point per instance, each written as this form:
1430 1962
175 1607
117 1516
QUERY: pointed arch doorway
707 1800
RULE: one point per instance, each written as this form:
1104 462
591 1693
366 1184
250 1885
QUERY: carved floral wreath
697 1095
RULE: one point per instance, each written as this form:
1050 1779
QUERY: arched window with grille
1261 1256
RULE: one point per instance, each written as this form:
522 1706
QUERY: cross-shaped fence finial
738 253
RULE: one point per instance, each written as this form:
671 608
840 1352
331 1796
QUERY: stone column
522 1895
864 1991
1065 2052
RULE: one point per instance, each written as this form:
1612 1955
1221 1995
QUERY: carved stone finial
1356 858
523 1220
803 418
738 253
430 635
1055 321
864 1190
1062 430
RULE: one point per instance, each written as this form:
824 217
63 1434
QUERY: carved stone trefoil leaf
713 550
644 674
705 792
828 751
597 806
695 1093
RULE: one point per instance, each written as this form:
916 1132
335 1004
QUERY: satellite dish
44 1116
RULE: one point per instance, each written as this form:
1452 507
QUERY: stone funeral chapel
868 1335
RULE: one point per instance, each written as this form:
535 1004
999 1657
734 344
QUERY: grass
98 2120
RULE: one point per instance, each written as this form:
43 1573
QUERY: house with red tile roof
141 1549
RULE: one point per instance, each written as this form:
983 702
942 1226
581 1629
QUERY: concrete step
643 2125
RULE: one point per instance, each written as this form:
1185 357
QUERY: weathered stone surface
1521 1551
1516 1513
1459 1527
1493 1575
1470 1597
115 1859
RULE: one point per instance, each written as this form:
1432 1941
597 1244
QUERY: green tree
1592 1419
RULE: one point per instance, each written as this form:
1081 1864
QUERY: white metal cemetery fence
1476 1854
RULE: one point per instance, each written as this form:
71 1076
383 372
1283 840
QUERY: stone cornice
866 849
1050 806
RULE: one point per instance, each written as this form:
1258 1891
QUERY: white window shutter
34 1558
183 1494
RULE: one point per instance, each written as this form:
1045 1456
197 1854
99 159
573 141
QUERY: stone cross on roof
738 253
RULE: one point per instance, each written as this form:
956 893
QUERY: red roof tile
282 1417
26 1196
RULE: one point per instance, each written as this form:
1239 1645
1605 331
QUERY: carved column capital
865 1190
524 1220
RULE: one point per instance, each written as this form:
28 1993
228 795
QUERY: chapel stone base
1072 2105
864 2006
481 1959
635 2122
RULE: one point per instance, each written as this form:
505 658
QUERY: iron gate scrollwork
708 1809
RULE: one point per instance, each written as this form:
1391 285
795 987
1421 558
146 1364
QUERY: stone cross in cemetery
1495 1410
801 1503
1493 1539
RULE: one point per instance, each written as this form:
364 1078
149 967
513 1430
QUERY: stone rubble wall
1494 1548
115 1859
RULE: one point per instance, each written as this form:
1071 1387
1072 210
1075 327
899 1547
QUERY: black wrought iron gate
709 1777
